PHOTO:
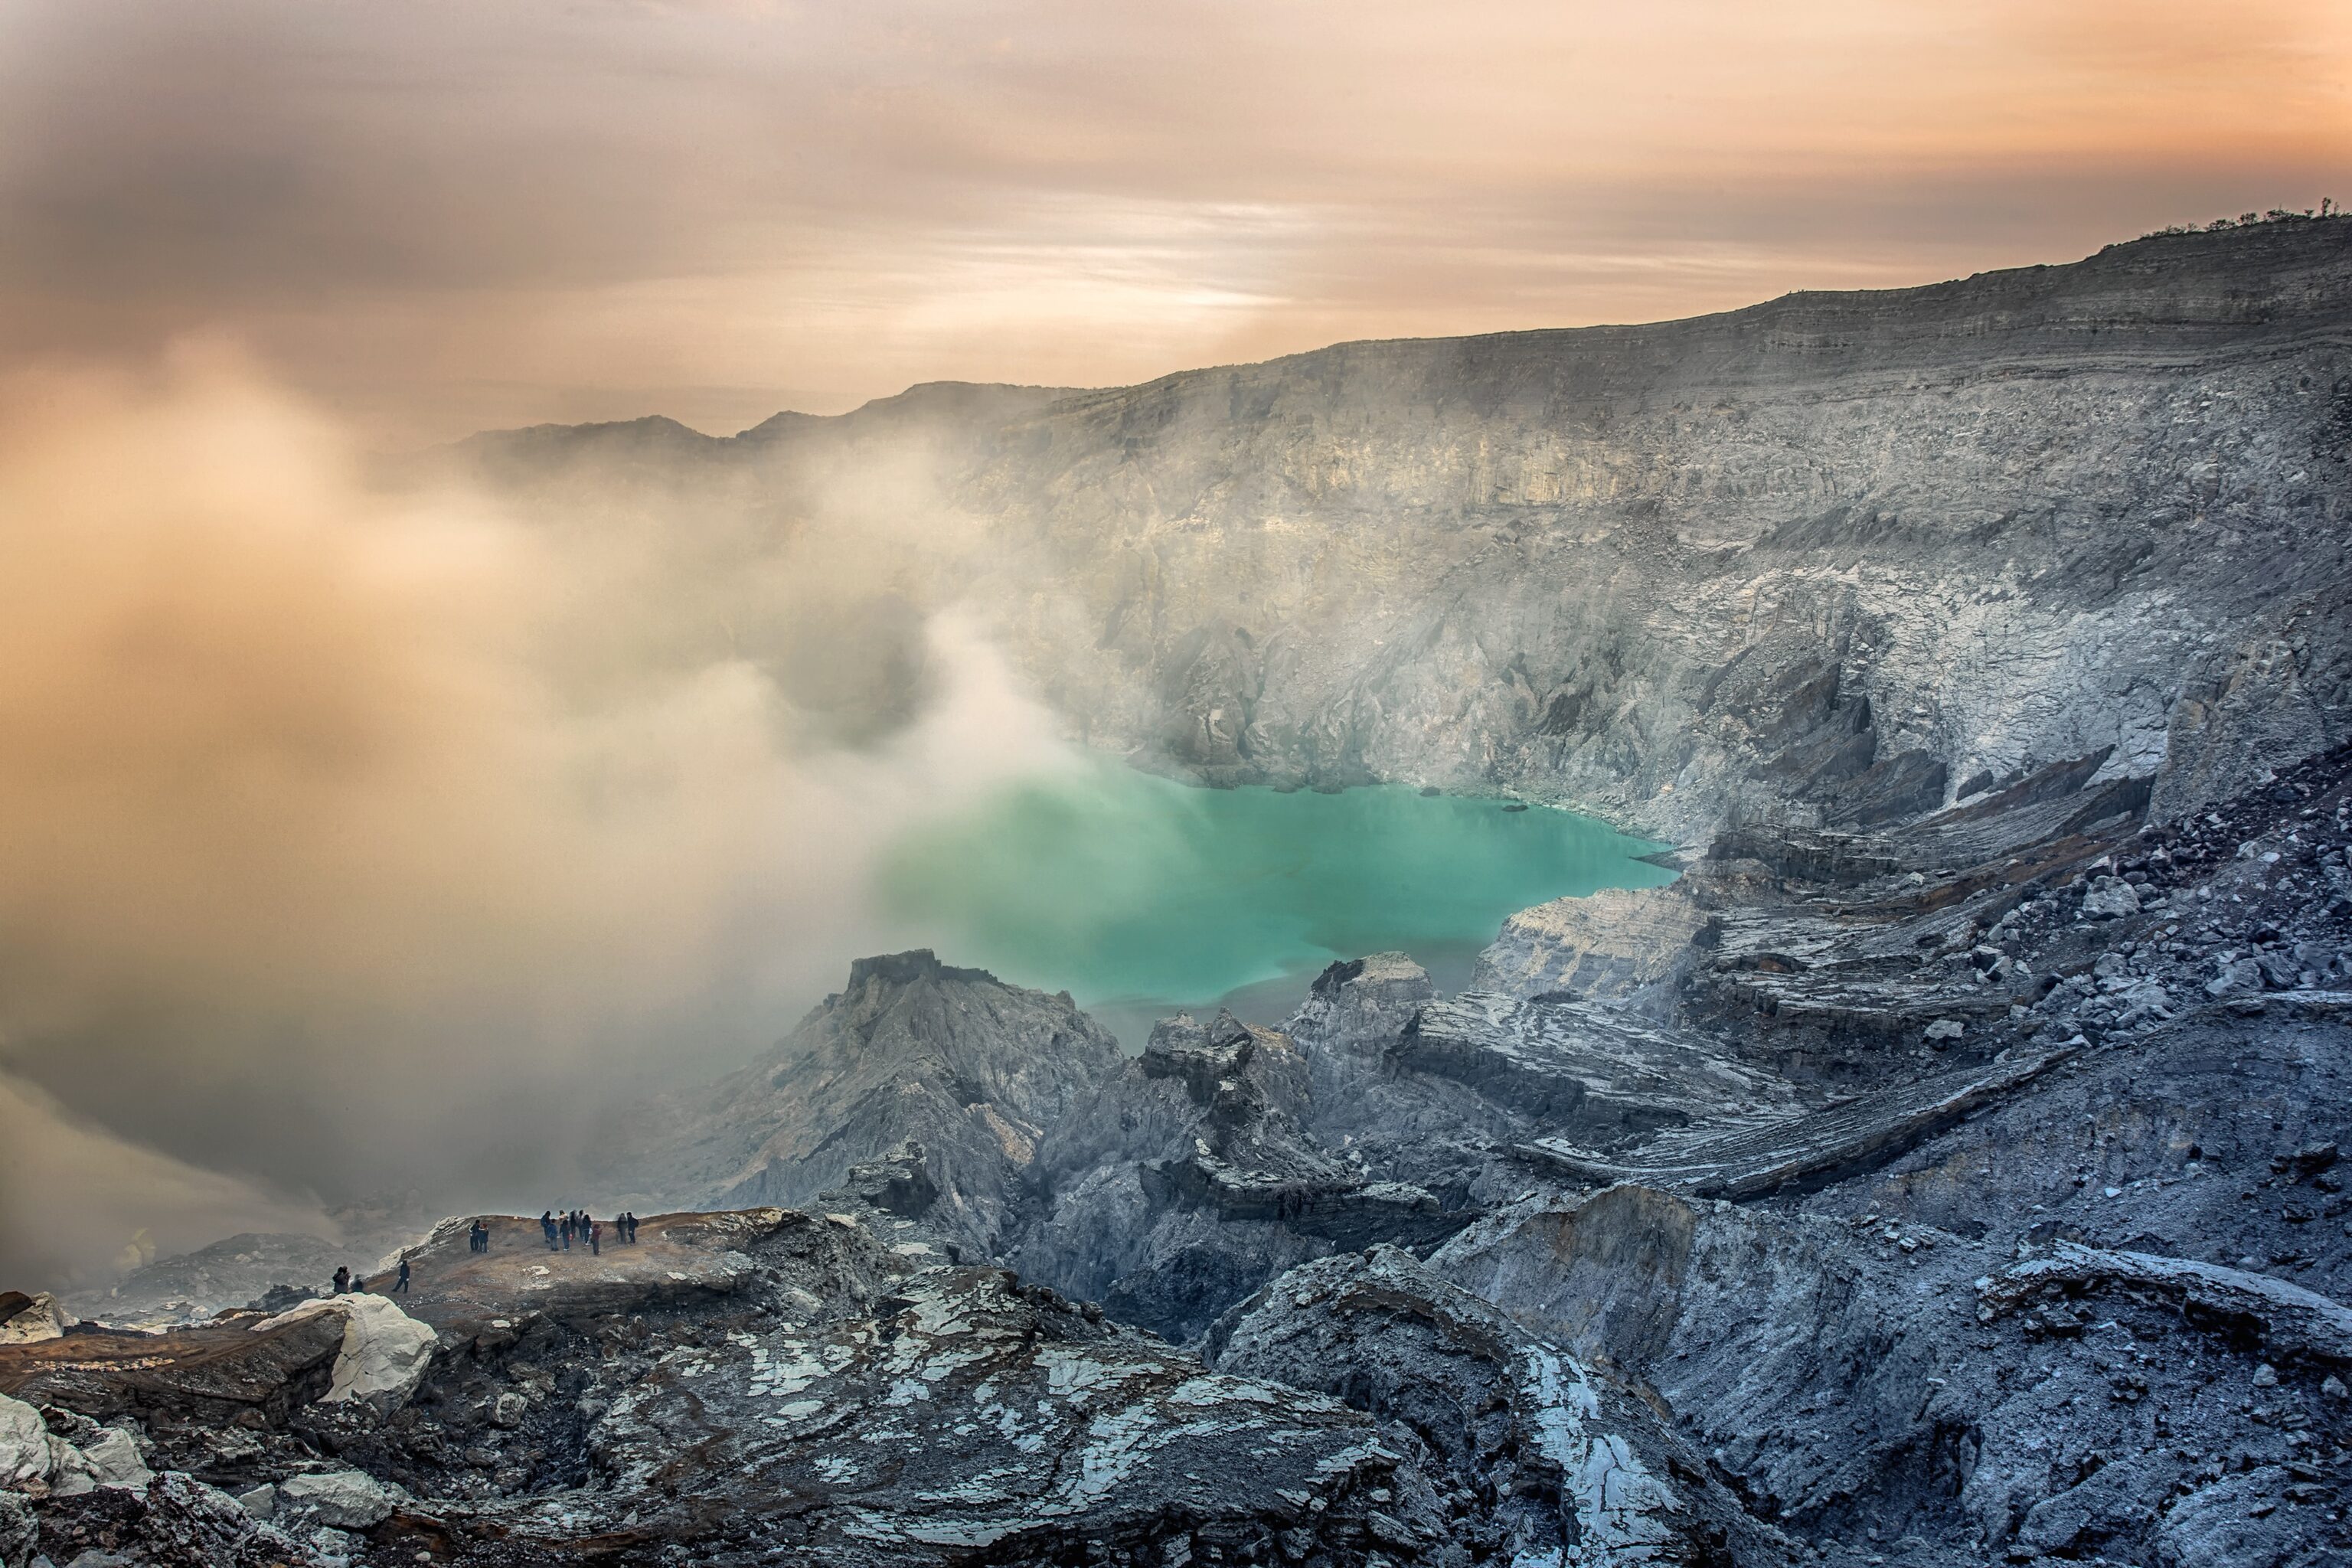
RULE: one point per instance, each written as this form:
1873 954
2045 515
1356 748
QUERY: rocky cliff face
1863 553
967 1070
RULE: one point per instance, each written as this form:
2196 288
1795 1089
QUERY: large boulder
385 1351
114 1459
28 1320
346 1500
2110 898
35 1459
24 1446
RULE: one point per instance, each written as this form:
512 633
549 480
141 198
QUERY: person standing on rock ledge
342 1280
401 1284
547 1227
596 1239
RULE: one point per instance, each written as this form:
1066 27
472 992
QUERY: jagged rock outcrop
1544 1460
1747 1157
911 1050
1192 1177
1581 1070
1613 943
2293 1324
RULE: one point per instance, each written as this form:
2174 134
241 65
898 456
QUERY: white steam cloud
350 838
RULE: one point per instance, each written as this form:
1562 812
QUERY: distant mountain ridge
1836 553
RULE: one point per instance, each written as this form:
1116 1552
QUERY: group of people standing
575 1223
350 1280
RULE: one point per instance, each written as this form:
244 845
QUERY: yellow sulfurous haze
350 838
440 216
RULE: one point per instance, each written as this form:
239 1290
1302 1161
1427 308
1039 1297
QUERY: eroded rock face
1083 1428
968 1068
1542 1461
1194 1177
1615 943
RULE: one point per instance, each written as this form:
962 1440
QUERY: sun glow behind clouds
451 215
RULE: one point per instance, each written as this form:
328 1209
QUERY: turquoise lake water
1138 895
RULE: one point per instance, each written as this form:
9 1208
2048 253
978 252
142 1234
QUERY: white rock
24 1446
2110 898
2266 1376
69 1474
261 1502
115 1461
384 1350
44 1319
1946 1029
347 1500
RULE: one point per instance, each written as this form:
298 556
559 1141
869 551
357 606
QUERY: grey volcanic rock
757 1387
1544 1459
969 1070
1748 1155
1581 1069
1612 943
1902 1410
1193 1177
1091 1432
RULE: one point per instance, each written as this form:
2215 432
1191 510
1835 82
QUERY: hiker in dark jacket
342 1280
595 1239
547 1227
401 1283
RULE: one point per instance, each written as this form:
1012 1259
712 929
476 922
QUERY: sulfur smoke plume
354 838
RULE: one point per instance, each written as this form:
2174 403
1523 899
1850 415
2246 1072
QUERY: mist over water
1139 894
361 836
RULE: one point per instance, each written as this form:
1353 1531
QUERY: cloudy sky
437 216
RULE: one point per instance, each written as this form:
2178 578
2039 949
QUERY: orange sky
442 216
